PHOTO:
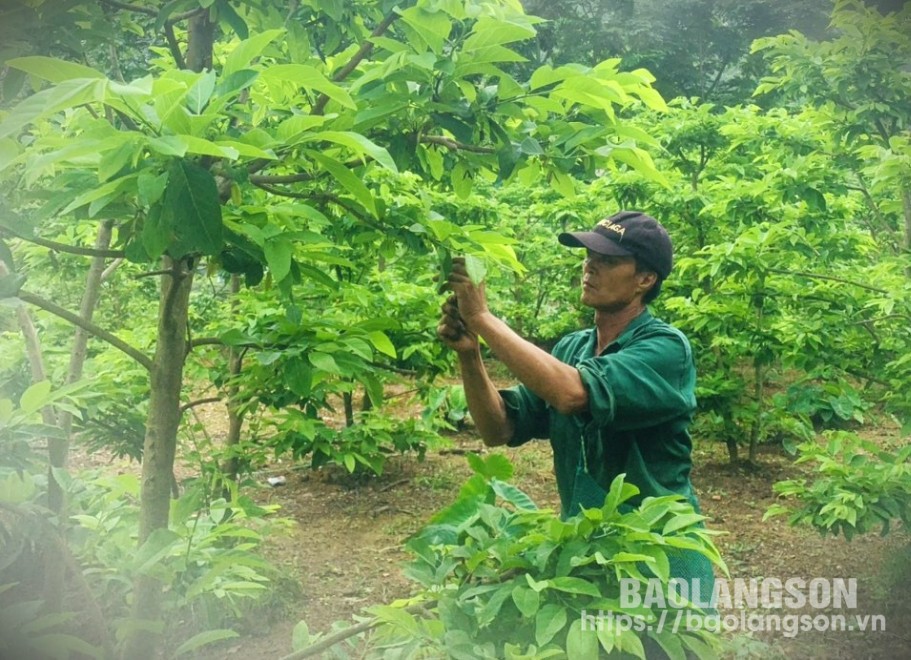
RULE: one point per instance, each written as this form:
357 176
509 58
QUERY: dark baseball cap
628 234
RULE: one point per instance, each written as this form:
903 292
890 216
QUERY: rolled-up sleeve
528 413
649 382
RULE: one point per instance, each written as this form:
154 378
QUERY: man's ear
647 279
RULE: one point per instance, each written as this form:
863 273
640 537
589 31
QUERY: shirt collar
627 333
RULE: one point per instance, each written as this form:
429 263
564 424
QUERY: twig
342 635
454 145
356 59
148 11
153 273
63 247
91 328
205 341
816 276
192 404
174 47
114 265
281 193
392 485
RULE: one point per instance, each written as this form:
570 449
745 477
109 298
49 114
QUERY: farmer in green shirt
623 390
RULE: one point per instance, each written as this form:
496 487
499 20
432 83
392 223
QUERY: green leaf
670 643
155 236
191 209
52 69
228 15
203 639
461 180
679 522
324 361
358 143
581 644
35 397
432 27
527 600
278 256
513 495
300 637
309 77
47 102
248 49
298 376
574 585
629 642
495 466
150 186
235 82
382 343
476 268
549 620
200 92
160 543
347 178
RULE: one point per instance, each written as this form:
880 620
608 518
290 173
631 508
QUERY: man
616 398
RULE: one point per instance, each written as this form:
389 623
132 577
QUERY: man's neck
611 324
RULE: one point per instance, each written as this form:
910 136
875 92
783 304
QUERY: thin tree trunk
166 381
906 209
59 448
756 429
54 569
160 445
730 437
235 418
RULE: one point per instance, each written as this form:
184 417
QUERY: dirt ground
346 548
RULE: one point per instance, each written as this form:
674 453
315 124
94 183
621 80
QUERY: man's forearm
484 401
556 382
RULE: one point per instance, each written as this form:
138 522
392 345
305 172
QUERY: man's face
611 284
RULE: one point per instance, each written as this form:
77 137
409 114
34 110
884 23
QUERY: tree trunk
54 569
348 401
756 428
160 443
730 437
906 209
235 418
166 381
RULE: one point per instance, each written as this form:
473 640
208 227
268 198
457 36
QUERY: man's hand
466 303
471 301
452 328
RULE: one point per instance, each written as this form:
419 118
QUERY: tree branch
454 145
282 193
815 276
347 633
206 341
148 11
91 328
174 47
356 59
114 265
192 404
257 179
63 247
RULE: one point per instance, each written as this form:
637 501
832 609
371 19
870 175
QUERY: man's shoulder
573 342
656 328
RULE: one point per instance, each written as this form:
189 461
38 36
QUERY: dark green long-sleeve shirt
641 402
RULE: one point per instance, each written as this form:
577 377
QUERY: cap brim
594 242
